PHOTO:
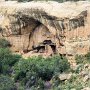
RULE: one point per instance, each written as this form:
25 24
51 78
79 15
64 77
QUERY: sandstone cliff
45 28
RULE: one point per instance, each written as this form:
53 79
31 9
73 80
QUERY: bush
73 83
87 56
61 64
31 70
82 59
4 43
6 83
7 60
28 71
79 59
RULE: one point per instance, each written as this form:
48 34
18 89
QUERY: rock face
46 28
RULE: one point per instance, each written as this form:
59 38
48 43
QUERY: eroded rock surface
46 28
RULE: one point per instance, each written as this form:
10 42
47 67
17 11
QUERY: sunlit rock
46 28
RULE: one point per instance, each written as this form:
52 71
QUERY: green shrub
6 83
87 56
7 60
4 43
60 64
28 71
80 59
79 68
31 70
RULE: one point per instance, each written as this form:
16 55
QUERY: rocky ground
78 80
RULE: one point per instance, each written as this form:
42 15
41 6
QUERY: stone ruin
46 28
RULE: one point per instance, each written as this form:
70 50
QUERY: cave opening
45 47
47 42
40 49
50 44
53 48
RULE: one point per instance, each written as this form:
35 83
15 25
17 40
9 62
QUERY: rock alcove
35 28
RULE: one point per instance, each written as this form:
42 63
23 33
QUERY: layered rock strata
46 28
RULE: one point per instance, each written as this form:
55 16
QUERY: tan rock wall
29 28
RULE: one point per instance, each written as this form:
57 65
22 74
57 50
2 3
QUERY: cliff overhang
46 28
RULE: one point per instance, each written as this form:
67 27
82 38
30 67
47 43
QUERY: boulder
64 76
86 88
